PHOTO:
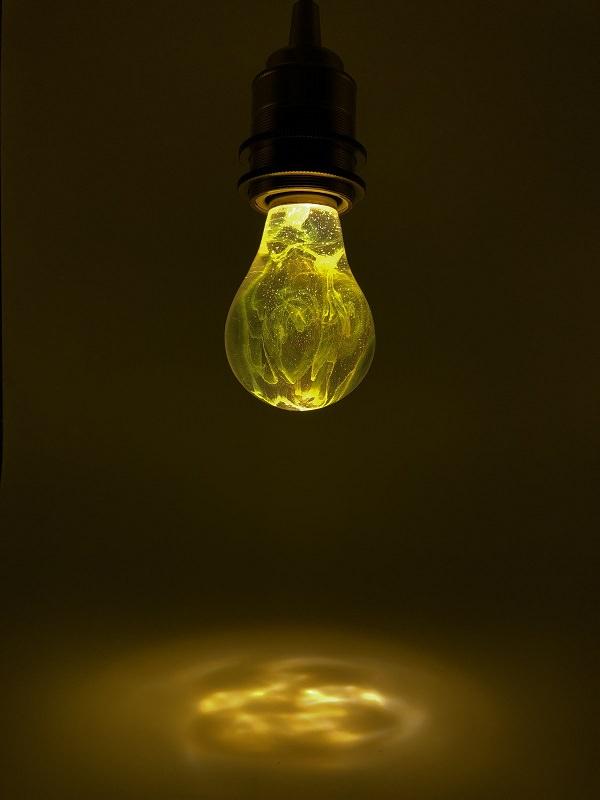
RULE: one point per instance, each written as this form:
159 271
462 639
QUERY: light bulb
299 334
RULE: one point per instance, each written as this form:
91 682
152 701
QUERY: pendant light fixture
299 334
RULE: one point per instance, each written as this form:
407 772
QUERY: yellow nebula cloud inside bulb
299 334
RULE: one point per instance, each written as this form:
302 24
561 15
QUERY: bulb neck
298 197
303 123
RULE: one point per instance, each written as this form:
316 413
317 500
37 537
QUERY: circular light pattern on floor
297 709
294 713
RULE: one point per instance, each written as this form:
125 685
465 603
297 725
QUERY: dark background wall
445 503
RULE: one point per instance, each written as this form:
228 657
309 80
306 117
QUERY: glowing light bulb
299 334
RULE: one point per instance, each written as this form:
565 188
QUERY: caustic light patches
298 709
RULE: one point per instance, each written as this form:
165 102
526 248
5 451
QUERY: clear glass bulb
299 334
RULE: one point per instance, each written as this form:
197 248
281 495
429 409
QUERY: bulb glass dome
299 334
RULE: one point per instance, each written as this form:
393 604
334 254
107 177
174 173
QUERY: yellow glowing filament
299 333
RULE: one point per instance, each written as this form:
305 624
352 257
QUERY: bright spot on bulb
299 334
